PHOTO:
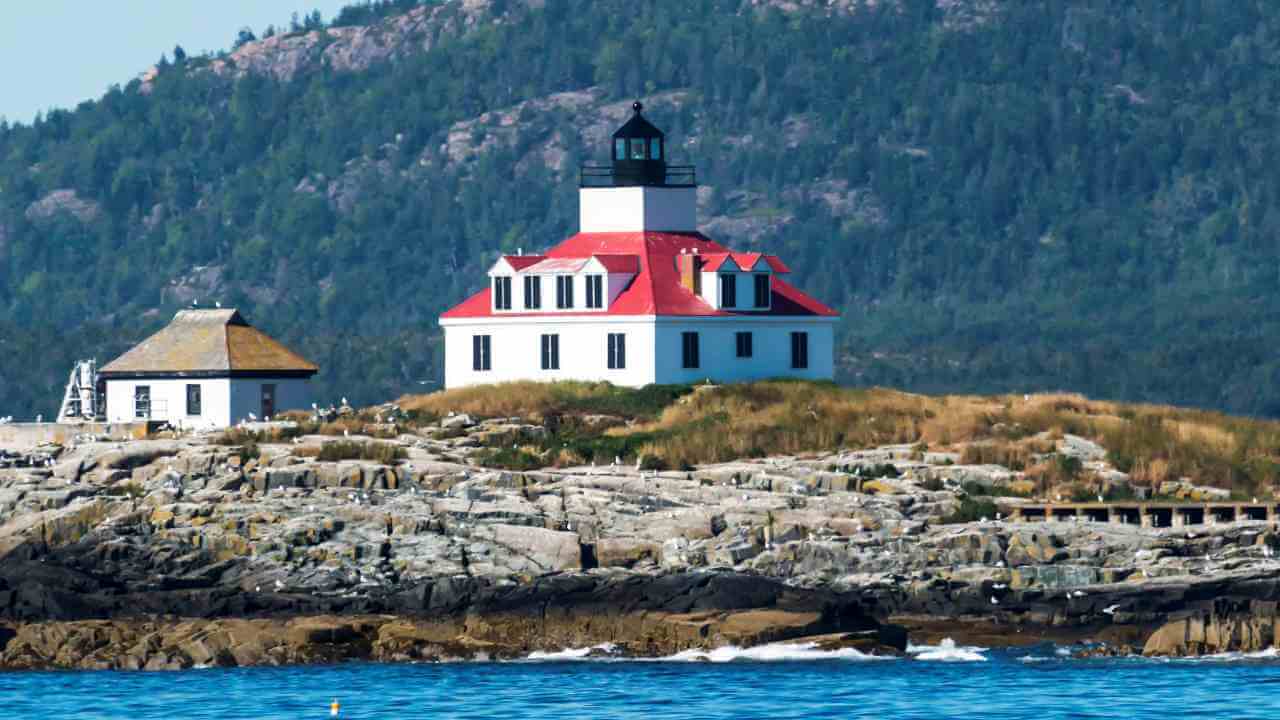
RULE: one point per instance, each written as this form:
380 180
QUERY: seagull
253 417
994 601
1100 499
1079 594
1111 609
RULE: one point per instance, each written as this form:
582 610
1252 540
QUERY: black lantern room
639 158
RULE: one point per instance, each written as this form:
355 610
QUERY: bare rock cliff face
356 48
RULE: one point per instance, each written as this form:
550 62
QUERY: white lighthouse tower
638 295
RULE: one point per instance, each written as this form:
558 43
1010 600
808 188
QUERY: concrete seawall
20 436
1145 514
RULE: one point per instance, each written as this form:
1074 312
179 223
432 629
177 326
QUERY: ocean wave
586 653
772 652
1270 653
947 651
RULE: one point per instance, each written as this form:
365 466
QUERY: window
637 148
762 291
619 149
550 352
268 401
689 349
595 291
744 344
799 350
564 292
532 292
728 291
142 402
193 400
655 149
617 351
480 353
502 293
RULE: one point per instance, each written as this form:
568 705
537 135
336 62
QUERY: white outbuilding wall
654 349
223 401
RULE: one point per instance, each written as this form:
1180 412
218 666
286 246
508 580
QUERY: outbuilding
206 369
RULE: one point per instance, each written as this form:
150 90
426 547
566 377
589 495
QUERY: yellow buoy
333 708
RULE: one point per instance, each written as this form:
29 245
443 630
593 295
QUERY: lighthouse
638 295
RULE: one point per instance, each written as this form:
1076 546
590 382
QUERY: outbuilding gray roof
208 341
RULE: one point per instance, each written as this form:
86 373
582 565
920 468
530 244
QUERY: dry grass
535 400
682 426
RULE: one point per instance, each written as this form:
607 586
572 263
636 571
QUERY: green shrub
972 510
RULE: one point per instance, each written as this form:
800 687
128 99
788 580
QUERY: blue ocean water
776 682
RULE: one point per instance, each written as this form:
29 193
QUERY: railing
605 176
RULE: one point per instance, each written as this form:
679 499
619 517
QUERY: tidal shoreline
192 551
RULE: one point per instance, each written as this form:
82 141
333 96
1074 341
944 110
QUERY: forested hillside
999 196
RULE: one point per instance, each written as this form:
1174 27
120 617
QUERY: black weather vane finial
637 106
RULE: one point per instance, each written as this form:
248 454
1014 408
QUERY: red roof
520 262
744 261
656 289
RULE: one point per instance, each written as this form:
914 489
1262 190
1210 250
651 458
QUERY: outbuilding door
268 400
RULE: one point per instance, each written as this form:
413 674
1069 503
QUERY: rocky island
496 522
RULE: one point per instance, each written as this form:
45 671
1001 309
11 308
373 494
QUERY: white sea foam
770 653
1268 654
947 651
584 653
1030 659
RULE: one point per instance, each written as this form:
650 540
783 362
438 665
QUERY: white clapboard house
638 296
206 369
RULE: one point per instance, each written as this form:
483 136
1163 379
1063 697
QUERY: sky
58 53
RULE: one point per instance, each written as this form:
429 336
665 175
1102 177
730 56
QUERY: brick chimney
689 263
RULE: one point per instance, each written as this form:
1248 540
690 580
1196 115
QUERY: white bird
1111 609
994 601
253 417
999 586
999 563
1078 594
344 401
1266 551
1100 499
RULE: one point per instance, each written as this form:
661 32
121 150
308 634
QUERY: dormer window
502 293
532 292
728 290
762 291
564 292
595 292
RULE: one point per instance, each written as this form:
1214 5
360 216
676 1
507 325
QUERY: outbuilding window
550 352
743 341
689 350
142 402
193 400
